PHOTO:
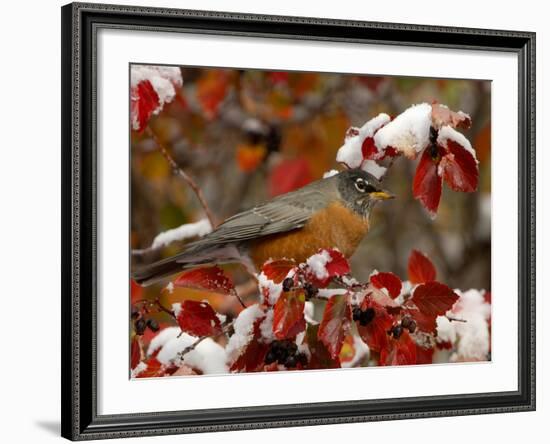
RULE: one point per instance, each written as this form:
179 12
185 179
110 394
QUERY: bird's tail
149 274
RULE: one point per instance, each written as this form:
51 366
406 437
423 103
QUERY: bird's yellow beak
382 195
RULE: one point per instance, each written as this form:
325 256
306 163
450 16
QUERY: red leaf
335 324
135 354
400 351
441 115
155 369
136 291
144 102
387 280
207 278
253 357
288 314
339 265
289 175
369 149
278 270
320 356
424 322
375 333
424 355
198 319
459 168
434 298
336 265
420 268
427 183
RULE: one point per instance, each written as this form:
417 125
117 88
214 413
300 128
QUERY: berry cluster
363 316
140 323
310 289
285 353
406 323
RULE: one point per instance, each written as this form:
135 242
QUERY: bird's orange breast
333 227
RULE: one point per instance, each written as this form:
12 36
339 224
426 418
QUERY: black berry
153 324
301 358
135 313
290 362
356 313
367 316
412 326
270 357
288 283
396 331
406 322
311 290
140 326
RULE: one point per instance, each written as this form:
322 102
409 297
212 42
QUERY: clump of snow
185 231
448 133
372 167
244 331
208 356
351 153
170 287
409 132
330 174
138 369
266 326
162 78
470 338
318 264
270 289
309 310
361 352
176 308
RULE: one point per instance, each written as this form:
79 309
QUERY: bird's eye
361 185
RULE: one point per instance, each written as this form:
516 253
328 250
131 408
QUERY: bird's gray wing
286 213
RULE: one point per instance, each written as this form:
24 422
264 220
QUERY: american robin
328 213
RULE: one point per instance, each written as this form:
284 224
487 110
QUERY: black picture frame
80 23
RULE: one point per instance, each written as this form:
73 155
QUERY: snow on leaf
205 278
427 182
144 103
244 330
420 268
359 144
335 324
288 314
409 132
326 265
278 270
150 88
197 318
400 351
442 115
434 298
387 280
253 354
459 169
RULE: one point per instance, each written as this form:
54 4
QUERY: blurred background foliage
247 135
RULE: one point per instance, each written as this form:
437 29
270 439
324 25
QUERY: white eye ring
360 185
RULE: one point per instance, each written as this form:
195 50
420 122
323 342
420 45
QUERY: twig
183 175
192 347
450 318
234 293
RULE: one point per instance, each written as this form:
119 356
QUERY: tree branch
177 170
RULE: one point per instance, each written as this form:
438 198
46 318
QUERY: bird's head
361 190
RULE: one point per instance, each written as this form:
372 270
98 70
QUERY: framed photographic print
278 221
